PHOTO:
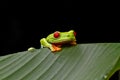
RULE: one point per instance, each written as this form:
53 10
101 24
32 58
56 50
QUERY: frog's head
59 37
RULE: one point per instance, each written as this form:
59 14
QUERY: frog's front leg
44 43
52 47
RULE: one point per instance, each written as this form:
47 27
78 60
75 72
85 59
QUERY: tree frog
55 40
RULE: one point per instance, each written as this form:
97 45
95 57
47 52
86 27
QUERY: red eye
56 34
74 33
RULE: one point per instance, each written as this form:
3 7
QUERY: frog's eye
56 34
74 33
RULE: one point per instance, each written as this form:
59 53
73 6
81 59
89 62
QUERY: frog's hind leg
73 43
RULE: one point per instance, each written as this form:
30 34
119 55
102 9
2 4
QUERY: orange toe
56 48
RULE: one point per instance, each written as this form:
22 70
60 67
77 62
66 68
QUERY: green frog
55 40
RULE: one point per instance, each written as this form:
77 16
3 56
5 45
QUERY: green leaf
98 61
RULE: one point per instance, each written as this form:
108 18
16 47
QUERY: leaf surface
97 61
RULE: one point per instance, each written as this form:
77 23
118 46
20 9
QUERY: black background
24 23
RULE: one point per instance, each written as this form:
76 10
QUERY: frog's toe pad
55 48
58 49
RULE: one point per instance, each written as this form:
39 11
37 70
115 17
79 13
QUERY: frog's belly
62 43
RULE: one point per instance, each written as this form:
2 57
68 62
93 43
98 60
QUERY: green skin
55 43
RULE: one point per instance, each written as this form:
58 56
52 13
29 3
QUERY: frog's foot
56 48
73 43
